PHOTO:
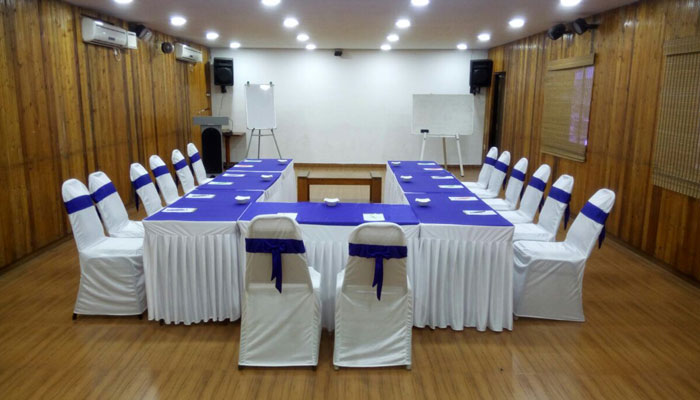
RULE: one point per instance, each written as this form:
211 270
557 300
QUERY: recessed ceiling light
290 22
516 22
234 45
484 37
123 1
212 35
420 3
393 37
177 20
310 46
386 47
403 23
270 3
569 3
302 37
462 46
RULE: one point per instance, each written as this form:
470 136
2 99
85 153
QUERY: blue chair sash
540 185
106 190
490 161
180 164
562 197
596 214
503 168
162 170
194 158
379 253
78 204
138 183
517 174
275 247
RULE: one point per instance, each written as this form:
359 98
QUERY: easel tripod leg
279 154
250 141
422 148
459 154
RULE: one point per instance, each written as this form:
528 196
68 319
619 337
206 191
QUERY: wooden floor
641 340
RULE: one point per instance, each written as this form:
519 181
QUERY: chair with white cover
555 207
548 276
145 189
497 179
374 306
485 173
513 189
532 198
165 181
111 269
281 301
111 207
197 166
183 171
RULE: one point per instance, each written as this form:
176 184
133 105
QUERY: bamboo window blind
568 87
677 152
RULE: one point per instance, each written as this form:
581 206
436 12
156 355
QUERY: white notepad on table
178 210
479 212
373 217
442 177
220 183
451 186
229 175
463 198
200 196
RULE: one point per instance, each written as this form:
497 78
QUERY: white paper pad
432 169
178 210
200 196
426 163
229 175
463 198
372 217
479 212
251 161
220 183
442 177
451 186
290 215
243 166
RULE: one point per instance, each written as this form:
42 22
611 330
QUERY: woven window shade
568 87
677 151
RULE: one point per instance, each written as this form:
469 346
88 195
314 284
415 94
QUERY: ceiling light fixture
393 37
420 3
123 1
212 35
484 37
302 37
403 23
290 22
569 3
462 46
177 20
270 3
516 22
310 46
385 47
234 45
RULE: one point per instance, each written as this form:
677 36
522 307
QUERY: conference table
460 256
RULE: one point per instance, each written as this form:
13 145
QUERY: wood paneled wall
628 71
69 108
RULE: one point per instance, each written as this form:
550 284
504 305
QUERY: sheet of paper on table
220 183
451 186
442 177
251 161
243 166
432 169
479 212
178 210
462 198
373 217
200 196
426 163
229 175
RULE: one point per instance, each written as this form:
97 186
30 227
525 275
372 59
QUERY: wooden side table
306 179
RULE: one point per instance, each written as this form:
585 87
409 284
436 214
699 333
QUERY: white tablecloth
285 188
393 194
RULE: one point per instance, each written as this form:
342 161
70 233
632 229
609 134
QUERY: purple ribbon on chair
78 204
180 164
138 183
379 253
540 185
490 161
562 197
597 215
103 192
518 174
275 247
503 167
162 170
194 158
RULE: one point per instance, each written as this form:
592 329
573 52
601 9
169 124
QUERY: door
496 126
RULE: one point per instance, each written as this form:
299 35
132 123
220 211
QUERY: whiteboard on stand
260 106
443 114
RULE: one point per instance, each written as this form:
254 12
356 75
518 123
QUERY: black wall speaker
480 75
223 73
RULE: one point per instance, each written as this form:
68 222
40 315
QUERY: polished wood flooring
641 340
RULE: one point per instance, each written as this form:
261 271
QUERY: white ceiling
350 24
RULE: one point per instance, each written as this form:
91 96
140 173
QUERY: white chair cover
548 276
555 207
145 189
196 161
111 269
370 332
498 177
281 320
531 198
513 189
111 207
183 171
165 181
486 169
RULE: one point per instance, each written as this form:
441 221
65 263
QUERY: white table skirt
284 189
327 252
393 194
191 271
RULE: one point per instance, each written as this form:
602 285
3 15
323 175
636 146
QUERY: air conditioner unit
131 41
184 52
103 34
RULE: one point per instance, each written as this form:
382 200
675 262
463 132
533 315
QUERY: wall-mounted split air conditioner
104 34
186 53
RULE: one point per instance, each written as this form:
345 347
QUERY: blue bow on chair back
592 211
379 253
564 197
275 247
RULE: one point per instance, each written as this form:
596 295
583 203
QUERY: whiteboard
260 106
443 114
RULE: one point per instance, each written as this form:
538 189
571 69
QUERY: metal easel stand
444 148
259 135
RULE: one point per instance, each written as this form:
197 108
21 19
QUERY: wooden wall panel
69 108
629 65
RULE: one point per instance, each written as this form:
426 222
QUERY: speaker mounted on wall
223 73
480 75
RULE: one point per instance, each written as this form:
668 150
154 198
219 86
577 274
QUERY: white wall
354 109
